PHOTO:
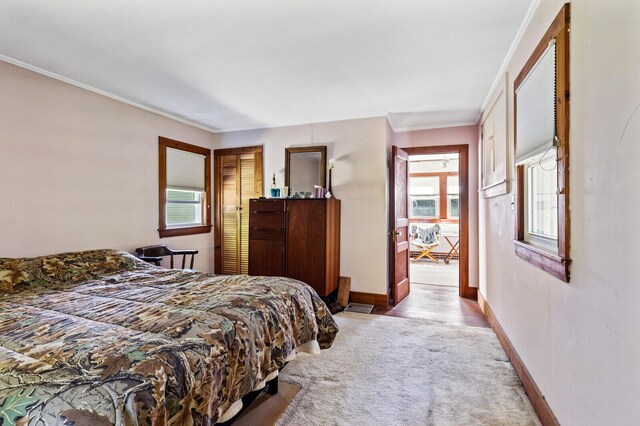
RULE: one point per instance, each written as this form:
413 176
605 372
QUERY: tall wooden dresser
296 238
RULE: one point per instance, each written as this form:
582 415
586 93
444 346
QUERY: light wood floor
428 272
266 409
436 302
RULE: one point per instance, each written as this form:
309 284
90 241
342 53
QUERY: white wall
80 171
581 341
465 135
358 147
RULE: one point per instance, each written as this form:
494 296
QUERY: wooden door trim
464 290
217 193
163 230
239 150
438 149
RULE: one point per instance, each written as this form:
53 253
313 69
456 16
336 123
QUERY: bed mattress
100 337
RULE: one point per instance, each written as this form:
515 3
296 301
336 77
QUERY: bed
101 337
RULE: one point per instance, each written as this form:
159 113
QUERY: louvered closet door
230 214
240 183
247 192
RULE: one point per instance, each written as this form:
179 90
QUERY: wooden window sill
550 262
187 230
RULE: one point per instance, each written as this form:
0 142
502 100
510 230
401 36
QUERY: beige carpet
399 371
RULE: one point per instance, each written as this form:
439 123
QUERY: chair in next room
426 240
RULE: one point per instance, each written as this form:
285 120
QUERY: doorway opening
429 218
434 219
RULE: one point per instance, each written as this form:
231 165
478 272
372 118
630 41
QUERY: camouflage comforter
101 337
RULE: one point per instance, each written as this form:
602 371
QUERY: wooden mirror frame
205 228
322 149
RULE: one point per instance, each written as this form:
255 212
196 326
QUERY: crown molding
433 127
84 86
516 41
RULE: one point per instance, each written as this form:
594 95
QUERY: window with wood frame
434 188
184 191
541 94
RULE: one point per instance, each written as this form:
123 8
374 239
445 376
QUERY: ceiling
237 64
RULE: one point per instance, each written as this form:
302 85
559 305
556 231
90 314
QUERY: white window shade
536 107
185 170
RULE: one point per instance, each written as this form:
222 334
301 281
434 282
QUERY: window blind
536 107
185 170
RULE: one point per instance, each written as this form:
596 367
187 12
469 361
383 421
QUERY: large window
184 189
541 93
434 197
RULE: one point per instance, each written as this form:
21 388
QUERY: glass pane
453 207
424 206
183 207
181 213
177 195
543 200
424 185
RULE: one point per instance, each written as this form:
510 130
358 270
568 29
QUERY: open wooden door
399 234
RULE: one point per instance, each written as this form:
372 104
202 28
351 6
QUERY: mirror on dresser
304 168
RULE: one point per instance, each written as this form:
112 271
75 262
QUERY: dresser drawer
267 205
267 234
267 258
267 220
